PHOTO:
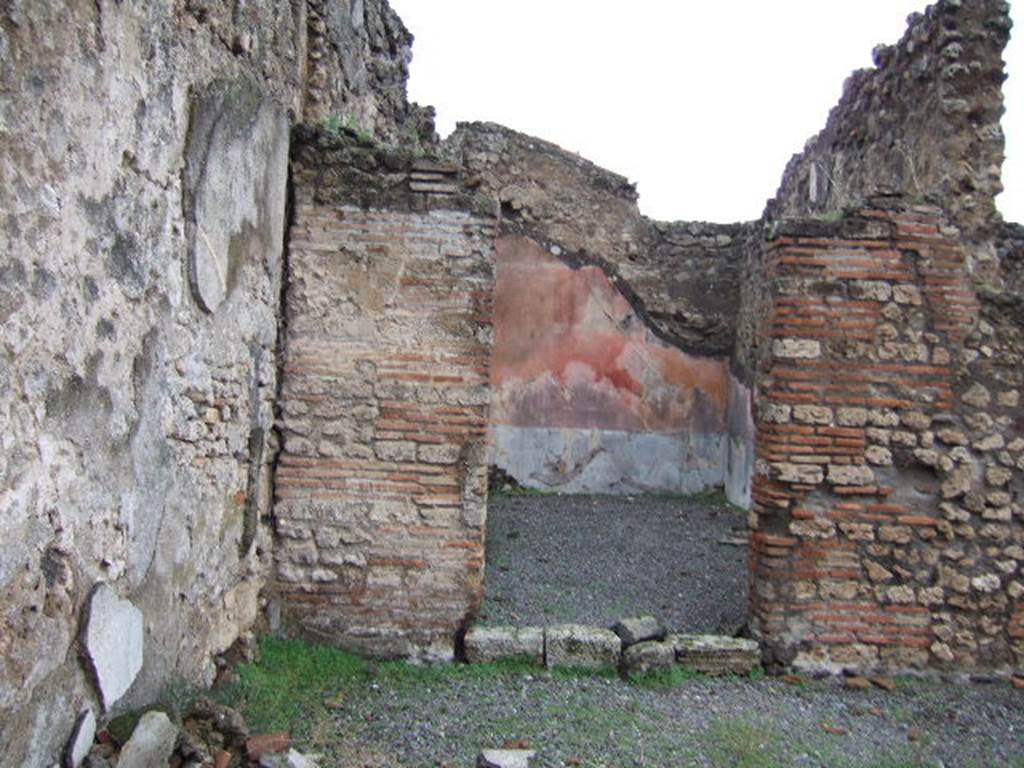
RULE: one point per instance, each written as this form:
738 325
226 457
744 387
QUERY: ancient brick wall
887 524
924 122
381 484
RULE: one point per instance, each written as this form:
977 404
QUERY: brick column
868 316
381 484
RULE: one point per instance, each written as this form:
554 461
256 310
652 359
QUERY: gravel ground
596 559
599 722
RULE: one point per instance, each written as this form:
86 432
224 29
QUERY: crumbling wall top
924 123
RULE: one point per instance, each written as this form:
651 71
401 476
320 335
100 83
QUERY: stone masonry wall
143 162
923 123
381 485
887 518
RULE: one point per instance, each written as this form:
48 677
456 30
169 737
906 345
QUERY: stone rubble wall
143 167
923 123
887 520
381 484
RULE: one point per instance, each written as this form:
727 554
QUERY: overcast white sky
701 104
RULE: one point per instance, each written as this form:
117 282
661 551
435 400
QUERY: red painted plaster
570 351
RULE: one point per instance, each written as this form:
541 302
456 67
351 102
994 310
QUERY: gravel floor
597 559
598 722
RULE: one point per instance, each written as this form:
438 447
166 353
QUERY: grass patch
732 743
663 679
289 681
572 673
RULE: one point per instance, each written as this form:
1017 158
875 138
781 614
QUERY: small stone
222 759
990 443
885 683
82 737
952 437
998 476
505 758
151 744
266 744
295 759
852 417
638 629
839 474
575 645
857 683
942 651
487 644
813 414
1017 682
988 583
807 349
112 643
804 474
648 655
776 413
876 454
977 395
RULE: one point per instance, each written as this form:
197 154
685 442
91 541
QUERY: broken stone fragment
293 759
81 739
648 655
112 643
574 645
266 744
505 758
636 630
487 644
151 744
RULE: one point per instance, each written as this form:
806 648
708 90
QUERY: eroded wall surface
586 398
381 484
143 162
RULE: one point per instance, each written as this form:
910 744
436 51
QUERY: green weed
673 677
290 681
734 743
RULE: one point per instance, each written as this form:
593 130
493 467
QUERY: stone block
648 655
636 630
81 739
504 758
852 417
839 474
487 644
575 645
804 349
812 414
112 643
808 474
716 654
151 743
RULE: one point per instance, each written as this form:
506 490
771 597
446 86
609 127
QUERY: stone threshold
631 646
